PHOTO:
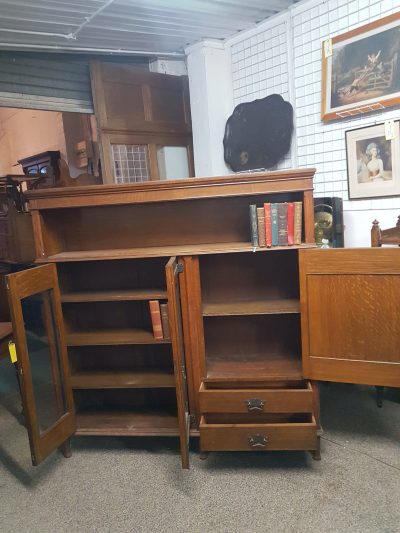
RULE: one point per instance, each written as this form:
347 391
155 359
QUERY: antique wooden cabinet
249 326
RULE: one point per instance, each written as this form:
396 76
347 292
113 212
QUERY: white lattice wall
283 56
260 66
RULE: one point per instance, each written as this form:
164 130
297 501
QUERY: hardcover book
155 314
274 224
253 225
261 226
268 229
298 217
290 223
282 224
165 321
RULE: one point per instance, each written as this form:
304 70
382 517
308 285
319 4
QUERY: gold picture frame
361 69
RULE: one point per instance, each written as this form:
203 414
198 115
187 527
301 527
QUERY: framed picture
373 162
361 69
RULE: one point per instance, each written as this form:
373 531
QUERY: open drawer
293 433
298 398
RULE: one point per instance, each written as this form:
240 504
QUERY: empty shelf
251 307
110 337
118 379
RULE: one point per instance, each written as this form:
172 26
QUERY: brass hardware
258 441
254 404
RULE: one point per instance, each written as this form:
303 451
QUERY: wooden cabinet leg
316 454
379 396
203 455
66 448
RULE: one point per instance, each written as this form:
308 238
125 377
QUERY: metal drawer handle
254 404
258 441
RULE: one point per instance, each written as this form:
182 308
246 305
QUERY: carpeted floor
136 485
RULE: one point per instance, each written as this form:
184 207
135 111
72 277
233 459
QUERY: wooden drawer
256 401
296 435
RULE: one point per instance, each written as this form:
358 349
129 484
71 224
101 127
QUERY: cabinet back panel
153 224
106 315
249 276
120 357
125 399
252 337
112 275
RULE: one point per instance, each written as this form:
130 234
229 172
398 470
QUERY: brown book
282 224
155 314
268 227
261 226
165 321
298 218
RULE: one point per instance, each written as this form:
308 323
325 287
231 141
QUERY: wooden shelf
112 337
162 251
114 295
127 423
118 379
251 307
255 368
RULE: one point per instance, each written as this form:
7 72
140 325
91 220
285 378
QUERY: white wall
25 132
283 55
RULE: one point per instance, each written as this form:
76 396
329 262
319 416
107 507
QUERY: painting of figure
373 161
363 70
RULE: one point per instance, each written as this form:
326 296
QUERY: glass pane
130 163
44 355
172 162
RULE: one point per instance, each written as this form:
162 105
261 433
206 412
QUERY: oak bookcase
245 323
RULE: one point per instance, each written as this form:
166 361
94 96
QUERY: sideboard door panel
43 369
350 315
173 269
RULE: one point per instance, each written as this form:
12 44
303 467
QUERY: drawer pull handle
258 441
254 404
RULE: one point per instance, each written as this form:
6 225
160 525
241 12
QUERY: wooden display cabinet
249 327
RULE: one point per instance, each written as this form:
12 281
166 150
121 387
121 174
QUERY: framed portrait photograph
373 162
361 69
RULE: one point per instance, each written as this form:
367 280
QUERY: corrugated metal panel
152 27
28 81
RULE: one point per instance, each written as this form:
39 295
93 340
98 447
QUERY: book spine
165 321
290 223
261 226
282 224
268 229
298 217
274 224
253 225
156 319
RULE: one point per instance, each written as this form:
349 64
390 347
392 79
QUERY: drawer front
258 437
256 401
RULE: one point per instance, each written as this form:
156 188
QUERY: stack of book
276 224
159 320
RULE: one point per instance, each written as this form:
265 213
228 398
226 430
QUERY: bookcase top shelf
251 183
163 251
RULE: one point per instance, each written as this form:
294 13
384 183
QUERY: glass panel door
42 359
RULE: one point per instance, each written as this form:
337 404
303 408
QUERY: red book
165 321
156 319
268 229
290 223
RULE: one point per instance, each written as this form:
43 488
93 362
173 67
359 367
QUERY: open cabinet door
173 268
35 305
350 315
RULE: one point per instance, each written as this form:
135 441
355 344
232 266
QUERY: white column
211 102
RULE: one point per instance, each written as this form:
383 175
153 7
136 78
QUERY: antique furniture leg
316 454
379 395
66 448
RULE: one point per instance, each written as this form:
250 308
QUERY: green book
253 225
